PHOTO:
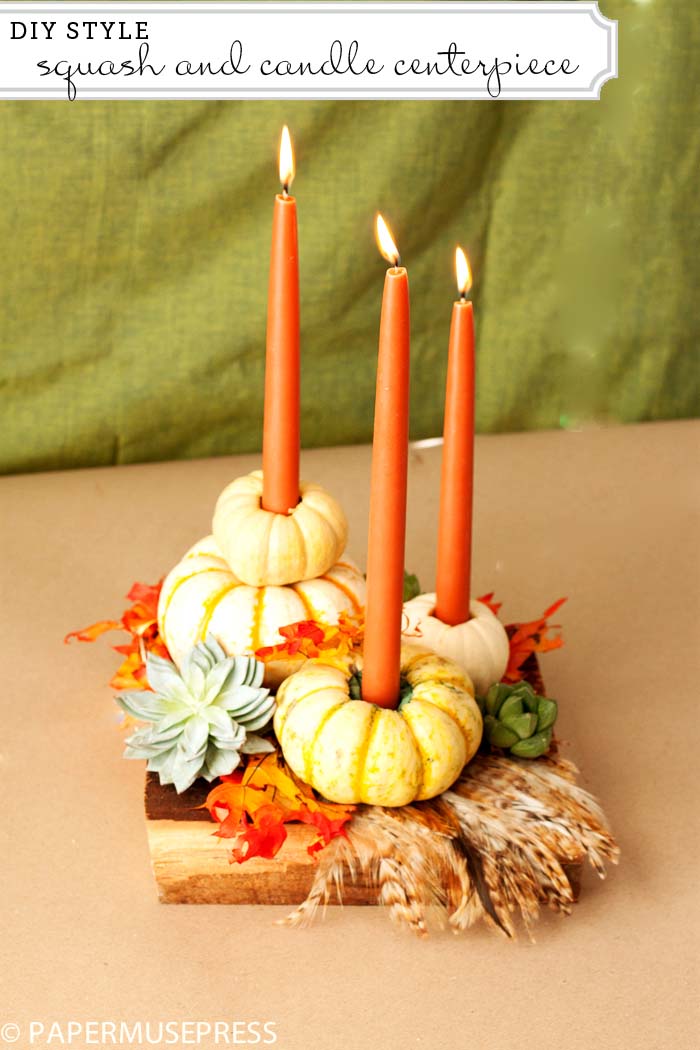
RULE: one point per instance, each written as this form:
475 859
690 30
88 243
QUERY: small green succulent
517 719
411 586
202 718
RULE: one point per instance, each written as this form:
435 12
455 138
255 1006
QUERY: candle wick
397 261
463 295
285 189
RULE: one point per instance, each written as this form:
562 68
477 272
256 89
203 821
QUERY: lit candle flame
385 242
464 274
286 159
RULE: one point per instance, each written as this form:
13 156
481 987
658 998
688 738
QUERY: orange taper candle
457 482
387 512
281 424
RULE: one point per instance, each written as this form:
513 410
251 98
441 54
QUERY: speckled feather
491 848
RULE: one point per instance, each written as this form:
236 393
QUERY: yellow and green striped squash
353 751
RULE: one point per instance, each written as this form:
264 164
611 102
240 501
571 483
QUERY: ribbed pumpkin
354 751
201 596
480 646
264 548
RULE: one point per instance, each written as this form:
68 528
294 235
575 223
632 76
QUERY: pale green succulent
202 718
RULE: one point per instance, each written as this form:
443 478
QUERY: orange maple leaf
95 630
253 805
532 637
140 620
316 641
487 599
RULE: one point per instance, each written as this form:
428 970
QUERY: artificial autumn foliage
528 638
140 620
317 641
253 805
487 599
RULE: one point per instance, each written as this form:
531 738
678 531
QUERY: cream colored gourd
353 751
265 548
201 596
480 646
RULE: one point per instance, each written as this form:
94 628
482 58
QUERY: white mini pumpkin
480 646
265 548
202 595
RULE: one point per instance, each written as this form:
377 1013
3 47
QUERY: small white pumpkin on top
260 571
480 646
264 548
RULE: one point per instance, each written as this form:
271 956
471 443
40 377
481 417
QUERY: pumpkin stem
355 688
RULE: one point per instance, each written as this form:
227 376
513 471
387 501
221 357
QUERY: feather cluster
495 847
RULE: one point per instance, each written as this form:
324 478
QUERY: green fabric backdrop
136 235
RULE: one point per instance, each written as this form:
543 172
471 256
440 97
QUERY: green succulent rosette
202 718
517 719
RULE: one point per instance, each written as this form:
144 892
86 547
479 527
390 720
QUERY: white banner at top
306 50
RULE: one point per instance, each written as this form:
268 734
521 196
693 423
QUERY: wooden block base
191 865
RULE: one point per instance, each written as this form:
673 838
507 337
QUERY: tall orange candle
281 423
457 482
387 513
